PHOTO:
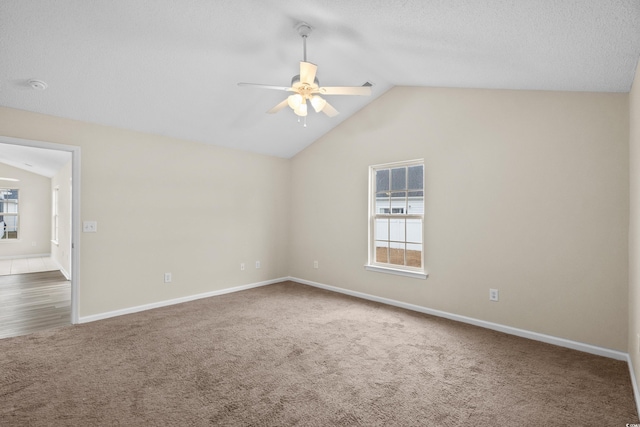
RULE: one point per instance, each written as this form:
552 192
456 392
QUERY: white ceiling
171 67
40 161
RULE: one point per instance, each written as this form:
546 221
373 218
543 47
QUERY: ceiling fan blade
329 110
278 107
307 72
259 86
345 90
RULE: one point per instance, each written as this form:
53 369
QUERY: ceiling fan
305 86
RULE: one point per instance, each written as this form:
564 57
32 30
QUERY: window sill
396 271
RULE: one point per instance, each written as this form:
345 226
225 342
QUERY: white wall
34 201
61 251
526 192
166 205
634 226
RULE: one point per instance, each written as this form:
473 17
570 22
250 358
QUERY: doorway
31 155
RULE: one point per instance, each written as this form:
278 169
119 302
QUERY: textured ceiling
171 67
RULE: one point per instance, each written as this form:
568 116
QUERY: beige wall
61 251
526 192
34 205
634 225
166 205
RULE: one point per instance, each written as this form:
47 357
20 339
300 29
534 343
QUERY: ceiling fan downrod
304 30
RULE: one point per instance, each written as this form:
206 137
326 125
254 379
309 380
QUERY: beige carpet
288 354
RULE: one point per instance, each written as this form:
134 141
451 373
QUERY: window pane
9 226
383 204
382 229
396 254
396 229
399 179
416 180
414 255
414 230
382 180
415 202
399 200
382 250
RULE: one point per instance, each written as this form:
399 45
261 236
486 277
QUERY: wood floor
33 301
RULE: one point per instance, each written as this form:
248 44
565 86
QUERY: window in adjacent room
9 213
396 218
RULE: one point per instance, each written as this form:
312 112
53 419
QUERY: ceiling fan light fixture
301 110
318 103
294 101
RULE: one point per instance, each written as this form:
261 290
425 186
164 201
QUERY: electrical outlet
257 264
167 277
493 295
242 266
315 264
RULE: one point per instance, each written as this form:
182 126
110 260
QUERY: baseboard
136 309
634 382
64 272
575 345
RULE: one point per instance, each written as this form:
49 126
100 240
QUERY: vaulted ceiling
171 67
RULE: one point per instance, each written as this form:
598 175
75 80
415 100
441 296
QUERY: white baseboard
64 272
634 382
130 310
575 345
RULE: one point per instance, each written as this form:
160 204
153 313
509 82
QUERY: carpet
293 355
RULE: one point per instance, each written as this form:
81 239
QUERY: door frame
75 210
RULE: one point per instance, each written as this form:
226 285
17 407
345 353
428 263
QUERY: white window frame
16 215
372 264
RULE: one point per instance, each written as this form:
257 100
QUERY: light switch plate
90 226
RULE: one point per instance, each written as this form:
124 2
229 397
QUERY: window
54 215
9 213
396 216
